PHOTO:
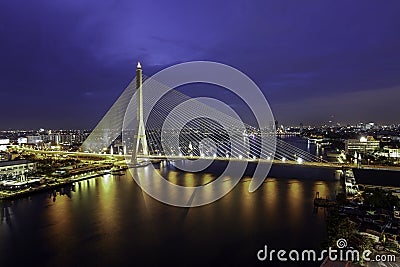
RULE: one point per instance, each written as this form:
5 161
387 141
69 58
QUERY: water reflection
271 195
61 192
294 196
110 220
107 210
6 212
58 216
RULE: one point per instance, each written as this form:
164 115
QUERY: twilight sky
63 63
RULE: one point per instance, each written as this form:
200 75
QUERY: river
109 221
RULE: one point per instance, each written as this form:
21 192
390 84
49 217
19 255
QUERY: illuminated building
363 145
16 169
34 139
389 152
3 144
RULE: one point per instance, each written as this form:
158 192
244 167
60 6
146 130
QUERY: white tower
140 132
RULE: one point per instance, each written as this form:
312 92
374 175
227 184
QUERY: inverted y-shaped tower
140 132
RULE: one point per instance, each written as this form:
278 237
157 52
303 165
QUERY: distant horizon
333 124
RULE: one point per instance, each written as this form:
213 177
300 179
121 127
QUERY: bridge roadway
330 165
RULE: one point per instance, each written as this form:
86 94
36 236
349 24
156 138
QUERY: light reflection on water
110 221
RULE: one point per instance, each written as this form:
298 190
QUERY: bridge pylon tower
140 139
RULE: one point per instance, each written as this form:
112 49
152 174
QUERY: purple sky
63 63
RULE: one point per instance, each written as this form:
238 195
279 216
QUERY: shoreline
48 187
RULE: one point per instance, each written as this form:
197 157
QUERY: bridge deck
331 165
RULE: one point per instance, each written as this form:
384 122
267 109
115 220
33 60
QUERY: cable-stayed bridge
178 126
152 121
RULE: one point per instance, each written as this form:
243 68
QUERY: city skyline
66 61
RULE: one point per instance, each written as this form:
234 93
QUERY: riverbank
56 183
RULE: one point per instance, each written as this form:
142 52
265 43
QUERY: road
331 165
